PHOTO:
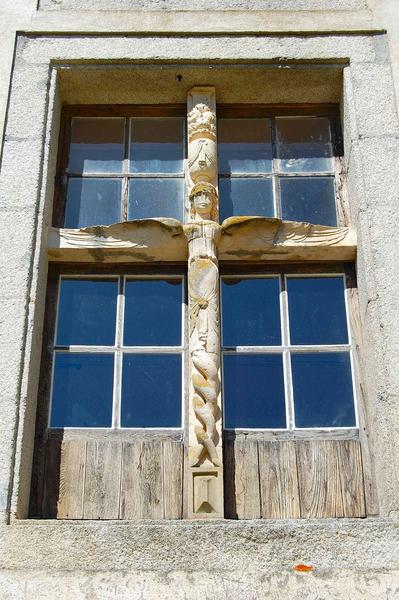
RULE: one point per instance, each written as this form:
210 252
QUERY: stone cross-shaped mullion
205 457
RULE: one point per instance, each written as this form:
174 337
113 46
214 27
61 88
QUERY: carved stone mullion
205 464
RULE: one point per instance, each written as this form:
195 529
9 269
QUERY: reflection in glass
317 310
87 312
251 312
253 196
156 145
93 201
82 390
253 391
96 145
244 146
153 312
308 199
323 393
304 144
151 390
150 197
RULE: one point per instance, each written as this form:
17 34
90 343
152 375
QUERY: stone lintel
242 238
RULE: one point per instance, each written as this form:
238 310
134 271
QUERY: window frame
111 111
121 272
272 112
283 271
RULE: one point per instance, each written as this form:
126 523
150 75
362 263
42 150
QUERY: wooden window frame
113 111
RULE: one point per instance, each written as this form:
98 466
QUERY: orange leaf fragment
303 568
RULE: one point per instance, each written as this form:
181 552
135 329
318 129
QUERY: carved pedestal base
206 493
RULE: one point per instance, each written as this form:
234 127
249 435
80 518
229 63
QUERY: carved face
202 160
202 205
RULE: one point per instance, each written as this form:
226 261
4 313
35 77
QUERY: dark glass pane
82 390
96 145
317 312
150 197
253 391
87 312
240 197
151 390
308 199
92 202
244 146
323 393
156 145
153 312
251 312
304 144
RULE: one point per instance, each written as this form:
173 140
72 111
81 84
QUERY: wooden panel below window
113 479
292 479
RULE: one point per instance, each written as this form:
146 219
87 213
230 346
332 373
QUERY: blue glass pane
156 145
82 390
244 197
151 390
153 312
304 144
96 145
323 393
253 391
308 199
251 312
93 201
317 310
244 146
87 312
149 198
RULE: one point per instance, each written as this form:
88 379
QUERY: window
286 352
116 168
278 166
118 350
123 163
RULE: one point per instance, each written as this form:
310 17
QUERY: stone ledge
262 546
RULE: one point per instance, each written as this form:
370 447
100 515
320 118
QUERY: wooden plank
51 479
370 490
141 481
172 480
278 480
319 479
242 469
230 508
351 474
102 480
72 470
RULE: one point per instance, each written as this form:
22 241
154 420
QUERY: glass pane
323 394
156 145
151 390
87 312
244 146
317 312
304 144
92 202
251 312
308 199
149 198
246 197
153 312
82 390
96 145
253 391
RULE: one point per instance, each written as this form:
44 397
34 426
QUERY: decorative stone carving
202 150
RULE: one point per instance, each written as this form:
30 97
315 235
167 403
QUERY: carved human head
203 202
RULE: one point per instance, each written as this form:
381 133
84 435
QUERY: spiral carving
205 356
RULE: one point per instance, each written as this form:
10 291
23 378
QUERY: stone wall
354 64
